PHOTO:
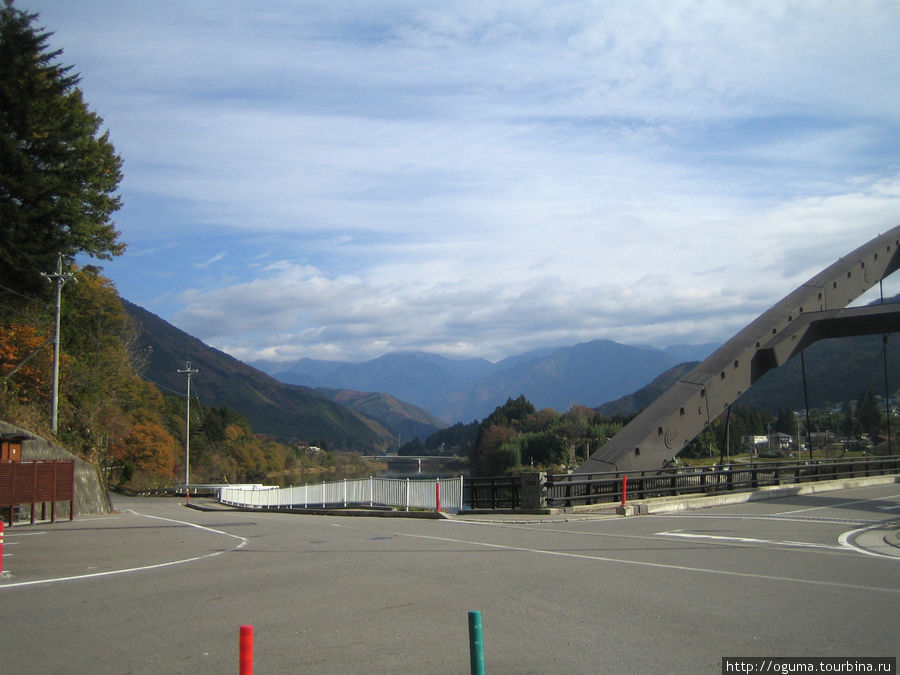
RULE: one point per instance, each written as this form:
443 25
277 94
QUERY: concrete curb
355 512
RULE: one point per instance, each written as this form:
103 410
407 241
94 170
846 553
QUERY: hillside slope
403 420
281 410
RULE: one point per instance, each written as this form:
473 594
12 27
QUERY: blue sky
339 180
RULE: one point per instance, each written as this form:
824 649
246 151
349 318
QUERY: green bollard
476 644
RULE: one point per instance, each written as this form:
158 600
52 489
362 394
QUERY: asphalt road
159 588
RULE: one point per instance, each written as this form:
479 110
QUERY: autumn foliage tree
150 449
25 361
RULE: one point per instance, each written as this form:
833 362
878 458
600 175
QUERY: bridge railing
597 488
493 493
537 491
401 493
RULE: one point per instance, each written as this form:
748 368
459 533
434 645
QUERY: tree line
516 437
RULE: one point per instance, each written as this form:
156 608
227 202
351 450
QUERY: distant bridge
814 311
395 461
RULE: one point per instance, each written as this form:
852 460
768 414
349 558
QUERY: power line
34 300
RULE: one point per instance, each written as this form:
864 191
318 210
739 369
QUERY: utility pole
187 424
59 278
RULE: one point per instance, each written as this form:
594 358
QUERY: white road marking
22 534
747 540
242 542
848 538
838 506
781 517
640 563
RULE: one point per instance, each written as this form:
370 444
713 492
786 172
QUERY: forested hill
288 412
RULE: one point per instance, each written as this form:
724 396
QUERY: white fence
401 493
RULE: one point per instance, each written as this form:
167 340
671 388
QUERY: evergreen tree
786 422
870 417
58 173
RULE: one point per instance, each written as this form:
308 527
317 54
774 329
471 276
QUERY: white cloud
486 177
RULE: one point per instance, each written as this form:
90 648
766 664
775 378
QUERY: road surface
160 588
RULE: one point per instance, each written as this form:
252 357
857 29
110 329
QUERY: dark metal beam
815 326
814 311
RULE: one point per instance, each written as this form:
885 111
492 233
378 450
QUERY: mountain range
461 390
378 404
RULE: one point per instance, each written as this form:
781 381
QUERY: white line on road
22 534
641 563
747 540
840 505
848 540
143 568
775 516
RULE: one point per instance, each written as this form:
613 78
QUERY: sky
340 180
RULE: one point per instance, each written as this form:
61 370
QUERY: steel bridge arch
814 311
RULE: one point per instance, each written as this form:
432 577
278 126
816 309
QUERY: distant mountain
586 374
422 379
272 407
307 372
692 352
640 399
466 389
403 420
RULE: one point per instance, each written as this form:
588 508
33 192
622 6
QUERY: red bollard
246 658
624 489
437 496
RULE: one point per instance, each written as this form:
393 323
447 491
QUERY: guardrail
540 491
501 492
582 489
404 493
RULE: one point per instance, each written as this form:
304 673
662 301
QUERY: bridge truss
814 311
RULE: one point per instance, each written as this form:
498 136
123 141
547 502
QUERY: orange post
437 496
246 657
624 489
